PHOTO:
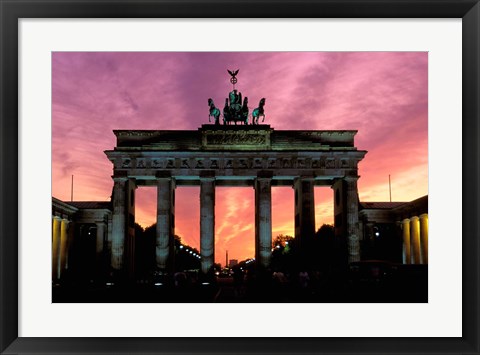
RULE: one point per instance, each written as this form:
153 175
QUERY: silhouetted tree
284 253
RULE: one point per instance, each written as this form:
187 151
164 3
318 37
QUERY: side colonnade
81 239
415 239
60 238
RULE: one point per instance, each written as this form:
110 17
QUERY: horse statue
234 110
258 112
214 112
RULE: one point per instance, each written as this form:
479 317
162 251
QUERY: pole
71 191
390 187
226 258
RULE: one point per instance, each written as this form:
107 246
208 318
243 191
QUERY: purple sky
383 95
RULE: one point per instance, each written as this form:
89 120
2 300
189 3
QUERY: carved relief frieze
330 163
257 163
199 164
213 163
243 163
235 162
126 163
287 163
301 163
170 164
236 139
141 163
185 164
157 163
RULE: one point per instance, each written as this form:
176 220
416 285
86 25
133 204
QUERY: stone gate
226 155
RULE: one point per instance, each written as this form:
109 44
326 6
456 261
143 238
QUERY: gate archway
219 155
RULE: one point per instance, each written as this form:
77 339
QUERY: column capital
120 176
167 178
207 174
163 175
58 218
310 178
119 179
406 220
423 215
414 218
265 174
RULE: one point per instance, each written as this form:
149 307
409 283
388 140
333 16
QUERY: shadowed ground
410 284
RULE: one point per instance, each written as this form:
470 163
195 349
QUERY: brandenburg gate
229 155
252 155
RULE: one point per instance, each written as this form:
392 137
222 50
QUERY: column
56 235
99 242
100 238
70 236
406 241
129 267
207 223
304 212
424 237
63 245
263 220
119 223
415 239
165 224
353 240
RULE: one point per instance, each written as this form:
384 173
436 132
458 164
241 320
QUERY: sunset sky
383 95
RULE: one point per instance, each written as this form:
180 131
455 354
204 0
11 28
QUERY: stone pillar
263 220
70 236
99 250
207 223
407 259
165 224
415 239
424 237
304 212
119 222
100 238
353 240
63 245
56 236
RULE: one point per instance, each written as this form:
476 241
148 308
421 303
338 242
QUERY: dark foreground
406 285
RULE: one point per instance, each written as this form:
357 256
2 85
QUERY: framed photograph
158 256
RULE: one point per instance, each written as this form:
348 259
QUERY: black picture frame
12 10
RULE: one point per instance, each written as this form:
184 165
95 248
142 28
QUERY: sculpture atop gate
236 110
